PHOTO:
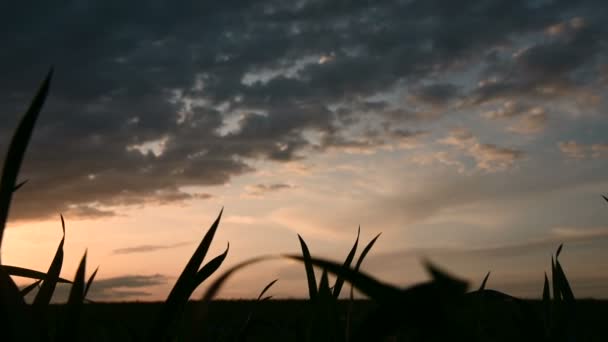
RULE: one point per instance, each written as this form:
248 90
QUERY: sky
470 133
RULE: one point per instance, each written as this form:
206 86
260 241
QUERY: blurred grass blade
483 283
27 273
349 259
605 198
73 307
363 282
310 272
90 281
43 297
266 298
266 289
26 290
559 250
19 185
16 151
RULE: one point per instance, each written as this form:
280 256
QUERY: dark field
286 320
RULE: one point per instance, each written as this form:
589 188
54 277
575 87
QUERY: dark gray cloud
147 248
144 95
125 286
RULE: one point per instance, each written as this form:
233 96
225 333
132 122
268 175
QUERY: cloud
146 108
575 150
124 287
147 248
488 157
259 190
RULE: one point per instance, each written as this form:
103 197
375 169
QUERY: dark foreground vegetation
441 309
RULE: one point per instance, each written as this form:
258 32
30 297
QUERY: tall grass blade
16 151
310 272
324 290
564 285
349 259
43 297
209 269
73 307
557 295
166 323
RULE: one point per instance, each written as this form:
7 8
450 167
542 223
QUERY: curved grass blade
165 326
349 259
605 198
43 297
91 278
564 285
28 273
483 283
364 253
16 151
310 272
559 250
209 269
266 289
26 290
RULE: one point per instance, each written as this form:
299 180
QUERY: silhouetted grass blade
310 273
73 307
16 151
209 269
349 259
266 288
27 273
43 297
324 290
90 281
483 283
166 324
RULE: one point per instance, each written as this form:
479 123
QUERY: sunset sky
472 133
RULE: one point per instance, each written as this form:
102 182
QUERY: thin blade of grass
26 290
43 297
364 253
483 283
557 295
266 289
74 304
90 281
559 250
605 198
310 273
16 151
566 290
209 269
166 326
27 273
349 259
